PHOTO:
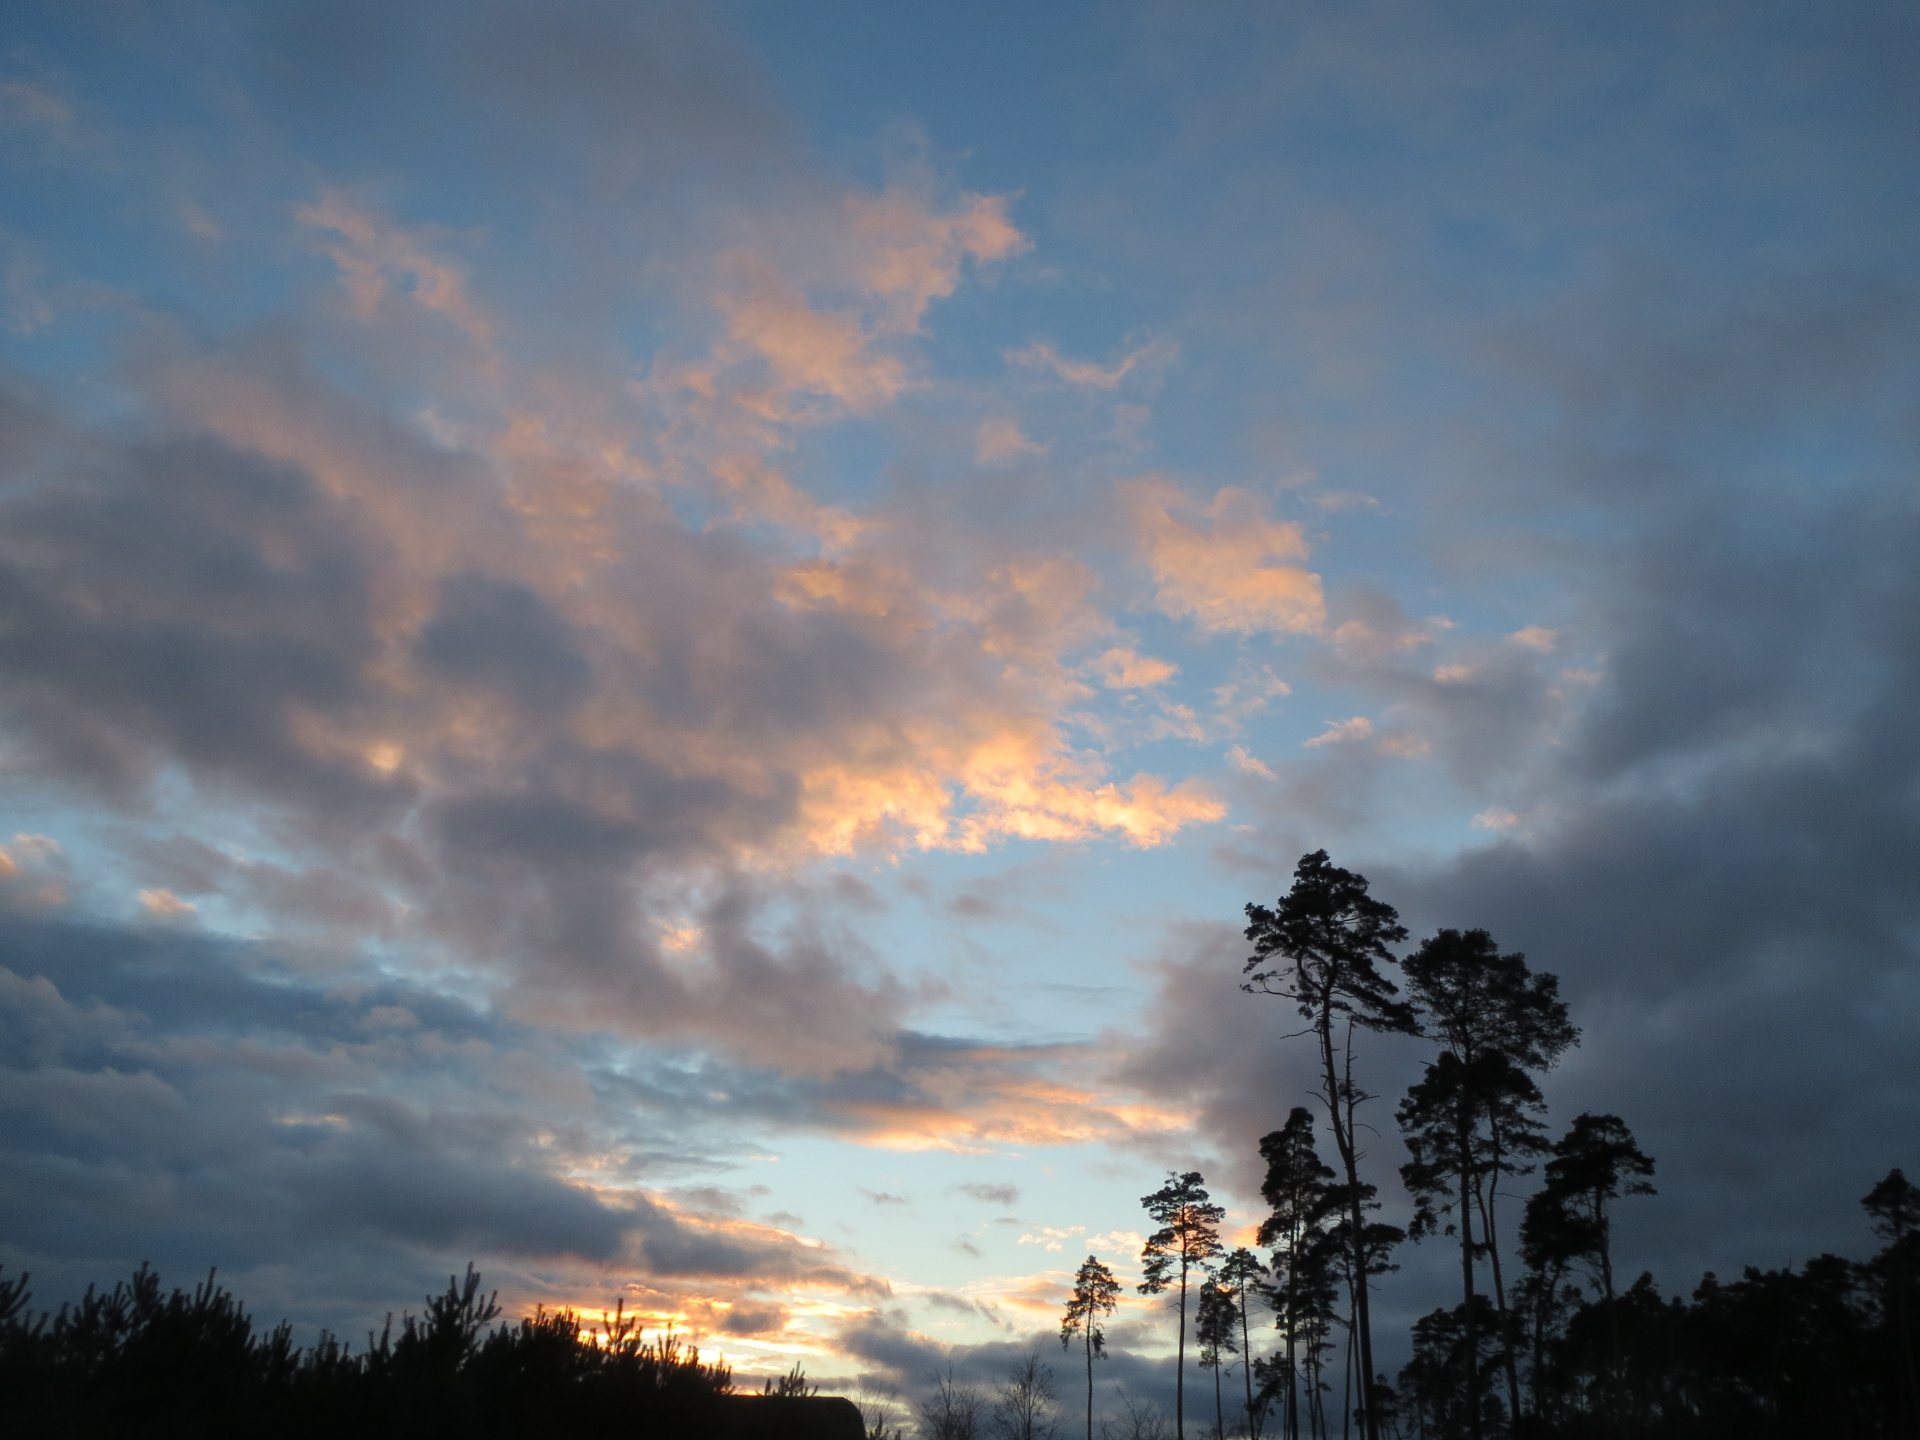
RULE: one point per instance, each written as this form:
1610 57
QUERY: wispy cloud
1145 361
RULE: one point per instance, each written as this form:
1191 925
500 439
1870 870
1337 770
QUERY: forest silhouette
1558 1349
1544 1343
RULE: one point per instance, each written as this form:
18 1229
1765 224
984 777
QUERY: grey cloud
909 1363
504 637
179 602
752 1319
185 601
648 89
179 1098
1006 1196
1718 824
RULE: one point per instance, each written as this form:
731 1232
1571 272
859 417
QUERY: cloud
1122 669
381 262
817 307
1005 1196
1341 732
907 255
252 1113
163 904
1147 360
806 353
999 441
1241 760
59 127
1222 564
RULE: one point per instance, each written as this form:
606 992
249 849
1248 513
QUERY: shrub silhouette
132 1361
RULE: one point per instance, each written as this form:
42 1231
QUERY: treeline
139 1361
1544 1342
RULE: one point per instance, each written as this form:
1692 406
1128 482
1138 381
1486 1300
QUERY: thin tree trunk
1346 1380
1486 1197
1466 1282
1343 1137
1246 1360
1356 1244
1613 1318
1541 1302
1316 1412
1293 1321
1180 1374
1090 1375
1219 1415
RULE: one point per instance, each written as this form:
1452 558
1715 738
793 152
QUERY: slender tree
1551 1239
1240 1272
1894 1204
1298 1188
1322 946
1095 1292
1594 1164
951 1409
1473 1117
1213 1327
1188 1237
1025 1406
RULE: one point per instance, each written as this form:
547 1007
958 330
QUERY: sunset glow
658 646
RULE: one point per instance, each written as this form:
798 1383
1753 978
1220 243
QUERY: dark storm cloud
1728 886
171 1099
184 1100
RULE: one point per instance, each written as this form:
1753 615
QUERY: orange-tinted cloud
1224 564
382 263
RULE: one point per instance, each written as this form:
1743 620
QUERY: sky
659 646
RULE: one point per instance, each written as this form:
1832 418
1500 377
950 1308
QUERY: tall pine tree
1323 947
1473 1117
1188 1237
1095 1292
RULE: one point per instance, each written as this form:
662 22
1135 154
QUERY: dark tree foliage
1830 1349
1473 1119
1214 1322
1774 1355
137 1361
1436 1391
1323 946
1304 1206
1188 1239
1894 1204
1095 1293
1377 1241
1595 1163
1241 1272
